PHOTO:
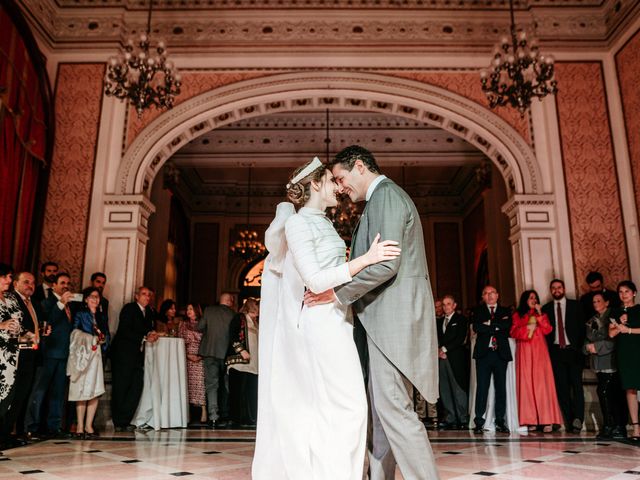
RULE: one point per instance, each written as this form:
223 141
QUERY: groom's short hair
347 158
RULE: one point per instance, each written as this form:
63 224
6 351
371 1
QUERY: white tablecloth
164 402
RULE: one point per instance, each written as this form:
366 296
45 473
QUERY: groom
395 318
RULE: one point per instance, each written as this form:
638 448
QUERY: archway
537 251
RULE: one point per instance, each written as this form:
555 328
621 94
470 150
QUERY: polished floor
226 455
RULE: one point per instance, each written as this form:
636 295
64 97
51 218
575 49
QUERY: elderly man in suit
565 349
395 321
127 358
492 354
30 358
453 366
214 326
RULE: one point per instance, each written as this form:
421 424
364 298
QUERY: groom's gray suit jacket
393 299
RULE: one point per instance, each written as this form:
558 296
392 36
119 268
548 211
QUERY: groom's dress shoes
478 430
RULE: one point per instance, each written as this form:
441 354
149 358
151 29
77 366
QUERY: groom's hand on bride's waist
311 299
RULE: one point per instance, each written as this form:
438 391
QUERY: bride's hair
298 193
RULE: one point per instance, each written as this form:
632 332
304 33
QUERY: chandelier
517 72
247 246
142 74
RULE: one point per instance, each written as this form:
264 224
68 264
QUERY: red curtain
24 136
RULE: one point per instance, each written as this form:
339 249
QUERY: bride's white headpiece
312 167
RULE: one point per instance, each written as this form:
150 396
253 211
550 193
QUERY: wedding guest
214 326
166 322
195 368
601 350
29 358
48 272
10 320
595 281
51 379
492 353
243 364
565 350
99 281
627 331
537 400
127 358
85 363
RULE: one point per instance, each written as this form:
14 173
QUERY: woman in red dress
536 391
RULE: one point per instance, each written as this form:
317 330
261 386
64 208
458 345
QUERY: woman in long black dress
627 330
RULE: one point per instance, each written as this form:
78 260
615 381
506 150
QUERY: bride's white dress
312 410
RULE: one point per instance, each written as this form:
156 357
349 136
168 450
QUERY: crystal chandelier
142 74
517 72
247 246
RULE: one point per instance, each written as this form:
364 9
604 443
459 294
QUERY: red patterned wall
628 66
78 100
597 232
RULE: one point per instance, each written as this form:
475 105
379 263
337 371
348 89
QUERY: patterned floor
226 455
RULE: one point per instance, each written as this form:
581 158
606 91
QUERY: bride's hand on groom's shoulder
382 251
311 299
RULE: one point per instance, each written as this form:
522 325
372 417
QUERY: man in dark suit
595 280
48 271
127 359
52 376
492 353
565 349
214 326
453 367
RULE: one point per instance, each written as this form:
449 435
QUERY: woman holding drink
536 391
10 319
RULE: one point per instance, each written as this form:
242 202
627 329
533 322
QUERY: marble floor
226 455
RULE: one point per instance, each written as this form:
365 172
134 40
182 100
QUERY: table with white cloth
164 402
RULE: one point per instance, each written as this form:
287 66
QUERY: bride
312 406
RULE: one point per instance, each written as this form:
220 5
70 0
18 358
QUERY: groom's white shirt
373 186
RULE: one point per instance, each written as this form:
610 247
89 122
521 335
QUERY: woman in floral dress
10 321
195 369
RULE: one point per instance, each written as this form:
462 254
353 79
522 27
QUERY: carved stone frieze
204 24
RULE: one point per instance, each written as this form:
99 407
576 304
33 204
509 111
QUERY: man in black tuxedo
127 358
48 271
453 367
492 354
565 349
51 379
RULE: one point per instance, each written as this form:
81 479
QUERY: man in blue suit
52 376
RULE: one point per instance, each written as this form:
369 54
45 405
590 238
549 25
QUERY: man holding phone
55 351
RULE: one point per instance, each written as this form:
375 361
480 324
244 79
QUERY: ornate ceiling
439 25
438 169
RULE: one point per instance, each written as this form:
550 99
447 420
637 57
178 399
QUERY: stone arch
432 105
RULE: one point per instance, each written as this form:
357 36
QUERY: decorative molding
345 91
205 24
